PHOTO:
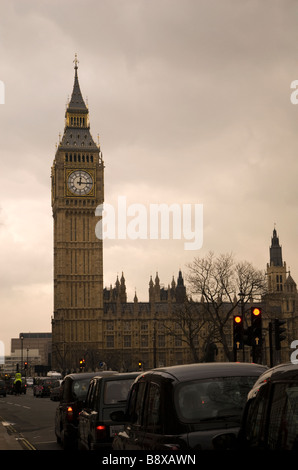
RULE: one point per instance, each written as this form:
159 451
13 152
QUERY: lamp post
242 295
22 340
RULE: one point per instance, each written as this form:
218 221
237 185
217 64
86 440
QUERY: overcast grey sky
191 100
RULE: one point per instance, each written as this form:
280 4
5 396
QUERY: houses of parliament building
99 325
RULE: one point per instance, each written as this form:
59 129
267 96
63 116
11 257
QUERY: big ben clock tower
77 189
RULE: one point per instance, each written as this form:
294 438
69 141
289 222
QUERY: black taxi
187 407
106 395
270 418
74 390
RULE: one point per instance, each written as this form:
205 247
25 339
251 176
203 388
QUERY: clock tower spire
77 189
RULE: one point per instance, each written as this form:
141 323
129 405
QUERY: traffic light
140 365
237 332
256 326
25 365
279 337
247 336
82 364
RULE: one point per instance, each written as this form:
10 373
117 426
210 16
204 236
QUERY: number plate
115 429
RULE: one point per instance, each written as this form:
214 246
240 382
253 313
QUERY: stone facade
77 189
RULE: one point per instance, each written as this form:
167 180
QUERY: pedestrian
17 383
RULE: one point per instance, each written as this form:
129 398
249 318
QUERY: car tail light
69 413
101 432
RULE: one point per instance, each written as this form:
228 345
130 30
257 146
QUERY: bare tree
187 323
221 285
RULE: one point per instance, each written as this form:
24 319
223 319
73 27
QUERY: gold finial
76 61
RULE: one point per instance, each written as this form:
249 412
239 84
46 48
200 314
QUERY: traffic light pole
270 344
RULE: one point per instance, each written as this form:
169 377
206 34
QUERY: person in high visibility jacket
17 383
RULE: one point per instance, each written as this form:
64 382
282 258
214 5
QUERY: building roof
77 103
77 136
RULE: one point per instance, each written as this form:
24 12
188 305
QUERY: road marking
26 444
17 404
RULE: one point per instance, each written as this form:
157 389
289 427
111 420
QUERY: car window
90 394
152 415
116 391
136 403
283 420
255 418
212 399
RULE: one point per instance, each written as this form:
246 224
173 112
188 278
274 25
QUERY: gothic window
127 341
144 341
127 325
279 283
110 341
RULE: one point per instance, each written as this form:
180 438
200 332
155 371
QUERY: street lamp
22 340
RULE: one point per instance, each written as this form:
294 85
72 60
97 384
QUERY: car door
282 431
86 414
252 431
131 438
152 418
59 413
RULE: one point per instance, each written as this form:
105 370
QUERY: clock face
80 182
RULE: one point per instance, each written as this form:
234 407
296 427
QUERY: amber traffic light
256 326
256 311
238 332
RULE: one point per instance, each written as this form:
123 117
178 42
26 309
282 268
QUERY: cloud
192 105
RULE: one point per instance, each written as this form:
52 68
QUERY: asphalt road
32 417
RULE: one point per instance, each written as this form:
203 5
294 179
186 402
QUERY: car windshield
221 398
116 391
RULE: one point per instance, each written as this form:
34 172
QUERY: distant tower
276 269
77 189
180 289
